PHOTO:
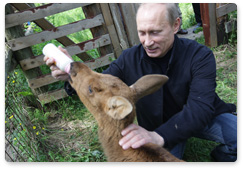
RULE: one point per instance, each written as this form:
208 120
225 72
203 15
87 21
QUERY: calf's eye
90 90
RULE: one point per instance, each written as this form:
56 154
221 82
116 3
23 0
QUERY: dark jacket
187 102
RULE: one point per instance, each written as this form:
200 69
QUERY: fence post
128 11
208 15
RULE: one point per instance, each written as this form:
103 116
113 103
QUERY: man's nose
148 41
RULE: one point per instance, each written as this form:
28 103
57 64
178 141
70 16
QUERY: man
187 104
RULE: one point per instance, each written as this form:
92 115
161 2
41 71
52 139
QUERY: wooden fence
111 32
215 22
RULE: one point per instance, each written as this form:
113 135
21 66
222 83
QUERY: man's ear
118 107
177 25
148 84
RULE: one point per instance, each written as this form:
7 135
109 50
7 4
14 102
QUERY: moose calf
112 103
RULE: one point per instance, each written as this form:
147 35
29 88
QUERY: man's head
156 26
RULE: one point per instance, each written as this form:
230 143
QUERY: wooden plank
225 9
39 12
116 15
90 44
52 96
31 63
23 42
41 81
100 62
111 28
72 50
128 11
205 21
230 26
213 26
45 25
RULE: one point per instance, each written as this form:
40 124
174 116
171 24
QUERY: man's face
154 31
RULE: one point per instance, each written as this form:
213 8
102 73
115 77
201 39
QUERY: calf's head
102 93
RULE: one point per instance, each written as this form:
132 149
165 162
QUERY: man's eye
155 32
141 33
90 90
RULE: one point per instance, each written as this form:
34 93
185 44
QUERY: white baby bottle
62 61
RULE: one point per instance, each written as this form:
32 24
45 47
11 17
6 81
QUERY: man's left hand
135 136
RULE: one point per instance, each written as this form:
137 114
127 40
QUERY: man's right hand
55 71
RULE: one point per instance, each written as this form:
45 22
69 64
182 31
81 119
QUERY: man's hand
55 71
135 136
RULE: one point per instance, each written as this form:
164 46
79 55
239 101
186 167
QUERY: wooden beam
213 24
72 50
38 13
116 15
128 11
52 96
230 26
225 9
41 81
208 15
111 28
27 41
101 61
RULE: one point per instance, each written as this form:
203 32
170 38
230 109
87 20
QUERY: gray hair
172 12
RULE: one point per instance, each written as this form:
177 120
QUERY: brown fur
95 90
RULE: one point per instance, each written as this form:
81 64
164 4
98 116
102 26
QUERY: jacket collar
175 50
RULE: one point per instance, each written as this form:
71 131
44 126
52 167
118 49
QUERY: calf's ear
118 107
148 84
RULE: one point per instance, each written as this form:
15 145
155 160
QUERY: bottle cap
67 68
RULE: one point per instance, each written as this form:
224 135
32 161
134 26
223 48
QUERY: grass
67 131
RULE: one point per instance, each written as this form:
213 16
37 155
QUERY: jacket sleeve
199 108
69 90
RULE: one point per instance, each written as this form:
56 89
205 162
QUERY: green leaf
25 93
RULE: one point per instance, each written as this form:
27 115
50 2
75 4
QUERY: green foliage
83 155
233 35
200 29
188 16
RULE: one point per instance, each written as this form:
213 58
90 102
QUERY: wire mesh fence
20 137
